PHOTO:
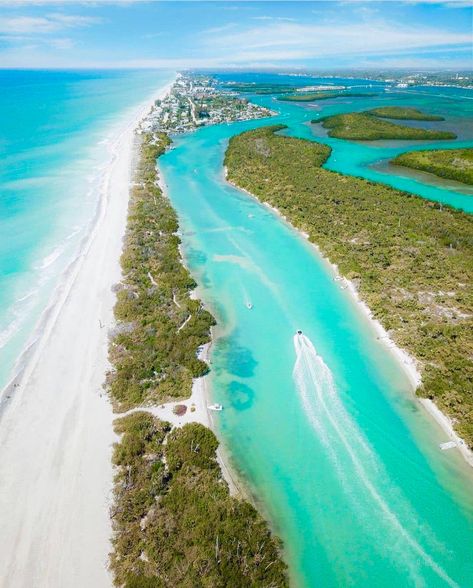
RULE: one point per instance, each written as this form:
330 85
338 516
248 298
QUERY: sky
330 34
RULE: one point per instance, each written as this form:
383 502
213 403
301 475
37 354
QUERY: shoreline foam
69 272
406 361
56 427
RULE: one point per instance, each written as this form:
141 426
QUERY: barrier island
411 259
174 521
362 126
403 113
452 164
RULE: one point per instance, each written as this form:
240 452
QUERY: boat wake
374 498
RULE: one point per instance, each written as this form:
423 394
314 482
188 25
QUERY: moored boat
215 407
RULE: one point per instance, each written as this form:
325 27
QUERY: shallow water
55 132
360 158
327 435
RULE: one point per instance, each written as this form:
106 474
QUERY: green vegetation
361 126
453 164
152 358
175 523
260 89
405 113
411 259
323 96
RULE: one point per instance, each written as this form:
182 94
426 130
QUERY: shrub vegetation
412 259
453 164
175 523
153 358
403 113
362 126
257 88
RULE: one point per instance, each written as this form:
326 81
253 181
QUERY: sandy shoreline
56 431
446 425
406 361
199 400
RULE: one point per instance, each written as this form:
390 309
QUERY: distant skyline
406 34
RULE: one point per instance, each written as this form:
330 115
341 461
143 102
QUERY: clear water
365 158
324 428
55 129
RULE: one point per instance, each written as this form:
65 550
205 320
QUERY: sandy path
56 432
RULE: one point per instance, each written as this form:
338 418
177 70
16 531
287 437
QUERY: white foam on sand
56 431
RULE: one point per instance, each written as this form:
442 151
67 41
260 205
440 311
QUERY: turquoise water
324 428
361 159
55 130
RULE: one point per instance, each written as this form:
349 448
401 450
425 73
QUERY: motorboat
249 306
299 332
215 407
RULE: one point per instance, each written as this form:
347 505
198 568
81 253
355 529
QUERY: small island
362 126
324 96
452 164
403 113
257 88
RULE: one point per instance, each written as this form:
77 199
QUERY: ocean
323 428
56 133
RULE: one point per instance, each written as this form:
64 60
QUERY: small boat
216 407
299 332
249 306
447 445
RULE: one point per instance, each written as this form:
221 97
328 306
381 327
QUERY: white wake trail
335 427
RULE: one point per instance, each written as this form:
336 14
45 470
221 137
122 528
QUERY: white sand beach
56 428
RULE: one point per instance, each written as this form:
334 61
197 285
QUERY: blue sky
221 34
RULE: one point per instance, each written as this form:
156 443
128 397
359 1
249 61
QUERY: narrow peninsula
411 259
